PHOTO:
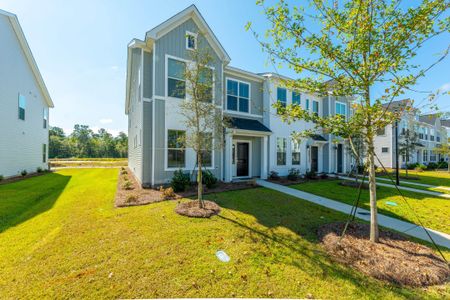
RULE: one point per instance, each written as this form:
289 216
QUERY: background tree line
84 142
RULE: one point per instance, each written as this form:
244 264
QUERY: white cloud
106 121
445 87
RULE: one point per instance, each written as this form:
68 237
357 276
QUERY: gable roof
445 123
181 17
29 56
398 105
429 119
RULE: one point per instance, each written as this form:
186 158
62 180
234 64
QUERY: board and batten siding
20 141
135 117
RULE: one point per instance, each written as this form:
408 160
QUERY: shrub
360 169
412 166
324 176
131 198
39 170
274 175
24 173
180 181
432 166
311 175
127 185
443 165
209 179
124 172
167 194
1 177
293 174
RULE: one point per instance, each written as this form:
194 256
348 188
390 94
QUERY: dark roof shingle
246 124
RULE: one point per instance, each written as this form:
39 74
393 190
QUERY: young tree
201 117
408 143
350 50
444 150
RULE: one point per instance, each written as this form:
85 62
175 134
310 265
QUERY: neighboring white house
24 103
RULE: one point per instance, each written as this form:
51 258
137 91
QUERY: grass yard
436 178
61 237
433 211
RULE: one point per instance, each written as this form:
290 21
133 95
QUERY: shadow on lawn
275 210
23 200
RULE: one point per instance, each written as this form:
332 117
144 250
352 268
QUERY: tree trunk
373 193
199 180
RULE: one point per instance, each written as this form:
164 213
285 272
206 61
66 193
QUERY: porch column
264 158
228 149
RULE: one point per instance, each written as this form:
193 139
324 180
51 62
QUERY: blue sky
80 47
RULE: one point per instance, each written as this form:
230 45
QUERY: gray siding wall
256 93
148 74
173 43
135 118
147 143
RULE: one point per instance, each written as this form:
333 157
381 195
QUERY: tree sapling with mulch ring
196 210
393 259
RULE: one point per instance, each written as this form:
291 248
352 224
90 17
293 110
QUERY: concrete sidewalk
440 238
405 188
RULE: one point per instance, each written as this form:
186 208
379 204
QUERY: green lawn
61 237
437 178
433 211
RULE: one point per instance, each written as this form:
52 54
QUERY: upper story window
341 109
316 107
238 96
206 82
307 104
45 117
384 150
176 83
282 95
22 105
176 148
191 40
296 98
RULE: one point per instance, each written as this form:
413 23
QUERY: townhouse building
256 141
429 132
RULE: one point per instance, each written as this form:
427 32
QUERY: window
381 131
22 104
206 153
432 156
191 41
421 136
281 95
438 139
238 96
316 108
432 138
295 152
403 158
176 148
45 117
206 84
341 109
44 153
295 98
281 151
384 150
176 84
307 104
425 155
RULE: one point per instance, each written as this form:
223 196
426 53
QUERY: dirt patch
192 209
394 259
354 184
20 177
133 194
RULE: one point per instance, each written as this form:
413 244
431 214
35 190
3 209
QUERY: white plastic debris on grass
222 256
391 203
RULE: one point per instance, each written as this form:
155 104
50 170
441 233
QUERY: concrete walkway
440 238
432 193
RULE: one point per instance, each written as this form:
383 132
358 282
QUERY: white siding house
24 103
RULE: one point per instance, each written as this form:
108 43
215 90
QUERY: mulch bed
20 177
354 184
142 196
393 259
285 181
193 210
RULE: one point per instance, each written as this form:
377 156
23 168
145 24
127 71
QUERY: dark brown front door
314 159
242 160
340 158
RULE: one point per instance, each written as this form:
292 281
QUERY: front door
314 158
242 159
339 158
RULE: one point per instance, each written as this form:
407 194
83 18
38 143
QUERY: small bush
39 170
209 179
1 177
360 169
124 172
127 185
131 198
122 168
432 166
24 173
167 194
412 166
274 175
180 181
420 168
311 175
324 176
294 174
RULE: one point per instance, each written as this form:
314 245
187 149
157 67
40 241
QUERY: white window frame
382 148
195 35
166 77
45 117
238 96
285 151
286 90
318 107
300 97
345 108
293 142
166 151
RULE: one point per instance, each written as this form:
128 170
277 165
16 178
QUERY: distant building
24 103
